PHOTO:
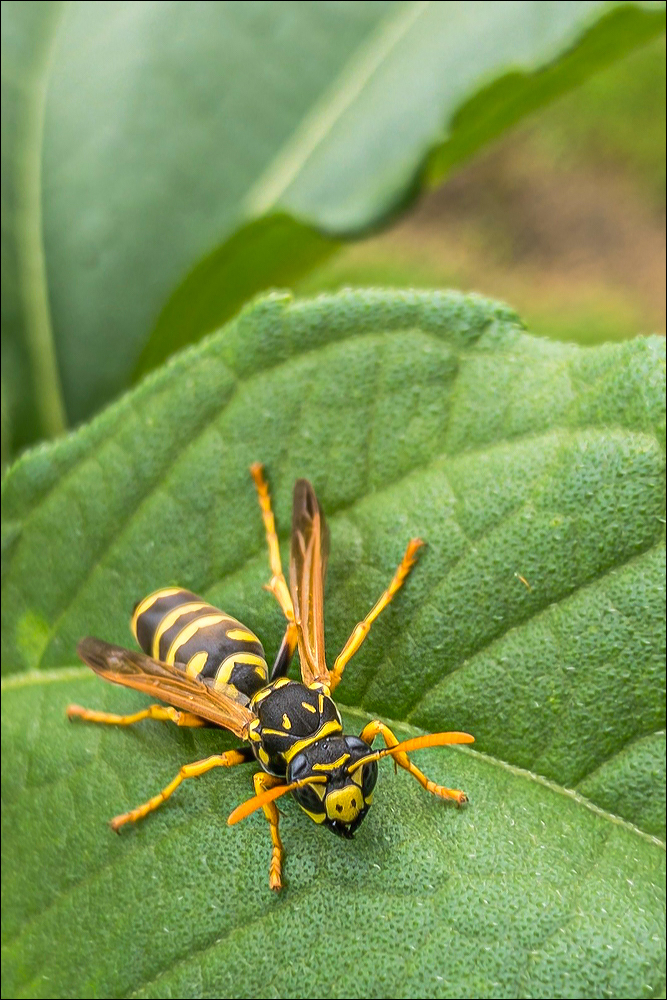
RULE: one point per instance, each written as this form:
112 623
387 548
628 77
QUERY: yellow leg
227 759
377 728
160 712
361 630
277 584
262 782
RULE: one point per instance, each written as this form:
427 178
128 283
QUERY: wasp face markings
210 668
342 803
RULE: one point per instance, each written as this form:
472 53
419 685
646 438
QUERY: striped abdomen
177 627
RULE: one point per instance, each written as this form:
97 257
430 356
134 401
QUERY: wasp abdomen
179 628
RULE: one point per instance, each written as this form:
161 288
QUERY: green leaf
535 471
31 392
141 140
275 249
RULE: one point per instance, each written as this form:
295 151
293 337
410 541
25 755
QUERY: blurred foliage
614 122
564 217
134 196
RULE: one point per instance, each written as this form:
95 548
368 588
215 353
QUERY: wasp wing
168 683
308 565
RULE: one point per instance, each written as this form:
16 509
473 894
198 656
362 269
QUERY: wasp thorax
342 797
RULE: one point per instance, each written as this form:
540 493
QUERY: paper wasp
210 669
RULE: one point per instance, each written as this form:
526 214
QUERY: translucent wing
308 565
168 683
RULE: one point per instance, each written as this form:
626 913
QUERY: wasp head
341 801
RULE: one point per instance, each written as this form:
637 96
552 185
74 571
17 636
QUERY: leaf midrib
321 117
31 258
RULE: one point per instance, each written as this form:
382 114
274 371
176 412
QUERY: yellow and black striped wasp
211 669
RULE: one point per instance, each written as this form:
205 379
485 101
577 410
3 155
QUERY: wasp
210 669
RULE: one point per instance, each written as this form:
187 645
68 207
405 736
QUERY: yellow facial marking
330 767
281 682
320 791
286 721
263 755
316 817
196 664
358 777
344 804
148 602
309 707
320 704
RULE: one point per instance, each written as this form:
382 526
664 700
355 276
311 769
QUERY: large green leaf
535 471
31 392
141 138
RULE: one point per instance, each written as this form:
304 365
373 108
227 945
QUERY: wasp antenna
364 760
259 801
416 743
414 545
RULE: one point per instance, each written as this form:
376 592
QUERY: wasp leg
160 712
377 728
262 782
227 759
361 630
277 584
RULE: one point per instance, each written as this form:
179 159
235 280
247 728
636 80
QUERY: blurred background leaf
565 216
535 620
139 139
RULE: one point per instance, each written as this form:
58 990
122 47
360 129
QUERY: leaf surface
535 471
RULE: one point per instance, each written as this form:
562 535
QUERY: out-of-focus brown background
564 218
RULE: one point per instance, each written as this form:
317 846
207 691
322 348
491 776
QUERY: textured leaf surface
535 471
140 138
